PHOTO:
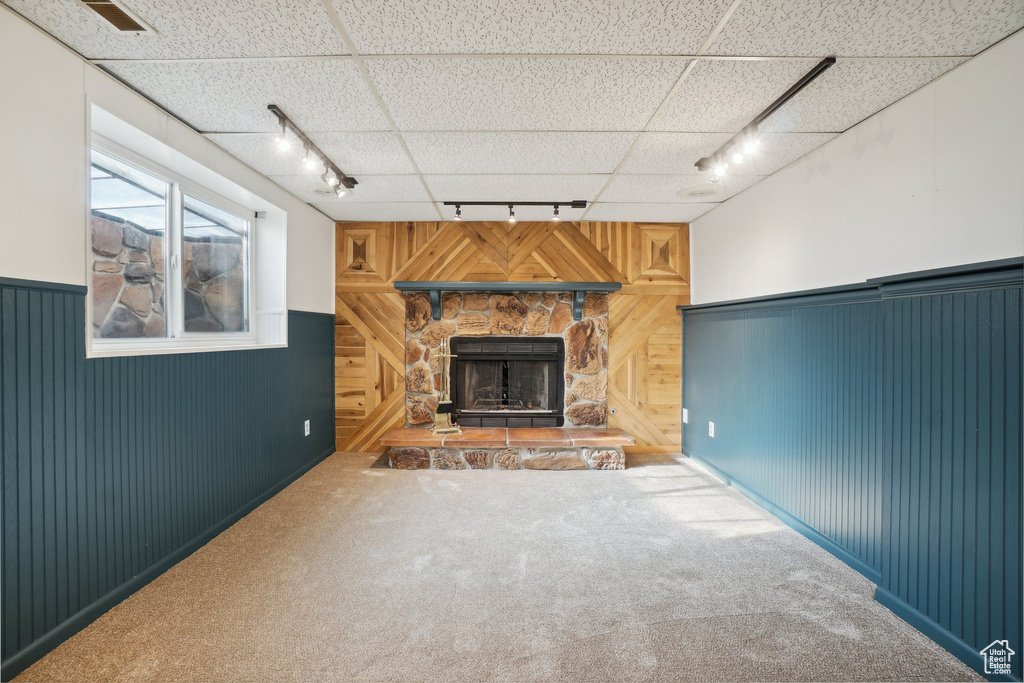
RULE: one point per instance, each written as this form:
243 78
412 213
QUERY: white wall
935 180
44 134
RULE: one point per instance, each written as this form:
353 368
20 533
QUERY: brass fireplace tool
443 415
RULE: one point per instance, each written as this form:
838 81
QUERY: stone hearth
580 448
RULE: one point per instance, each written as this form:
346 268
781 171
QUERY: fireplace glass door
514 384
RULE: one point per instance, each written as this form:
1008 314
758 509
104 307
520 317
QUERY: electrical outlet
307 427
686 416
711 429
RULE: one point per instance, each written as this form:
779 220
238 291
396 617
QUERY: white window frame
177 339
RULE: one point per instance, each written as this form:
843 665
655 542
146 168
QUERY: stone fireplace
503 331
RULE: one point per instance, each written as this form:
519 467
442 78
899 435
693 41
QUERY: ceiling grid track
664 103
351 45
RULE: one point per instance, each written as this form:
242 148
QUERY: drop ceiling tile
525 188
389 211
319 95
674 188
530 26
724 95
596 94
850 92
371 188
532 152
523 213
652 213
354 153
869 28
192 29
674 153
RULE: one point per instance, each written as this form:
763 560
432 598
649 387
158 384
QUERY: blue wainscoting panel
795 392
116 468
953 439
883 421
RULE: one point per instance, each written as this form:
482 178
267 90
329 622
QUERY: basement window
181 258
169 260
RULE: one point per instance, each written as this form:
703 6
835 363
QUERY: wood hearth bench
482 448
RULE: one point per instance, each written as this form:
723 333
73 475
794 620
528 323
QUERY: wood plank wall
652 261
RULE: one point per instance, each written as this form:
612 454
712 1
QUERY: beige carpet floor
659 572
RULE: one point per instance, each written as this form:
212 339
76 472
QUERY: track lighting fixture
309 161
329 177
282 140
332 176
746 141
574 204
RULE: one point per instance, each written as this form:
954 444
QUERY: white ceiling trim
350 44
660 58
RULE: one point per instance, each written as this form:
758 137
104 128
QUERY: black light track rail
751 128
308 144
574 204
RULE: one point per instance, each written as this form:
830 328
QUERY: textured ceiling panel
538 188
530 26
672 152
320 95
371 188
868 28
662 188
850 92
651 213
723 96
518 152
343 211
192 28
523 94
354 153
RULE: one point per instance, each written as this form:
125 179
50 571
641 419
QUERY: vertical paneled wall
115 468
884 421
795 393
652 262
953 493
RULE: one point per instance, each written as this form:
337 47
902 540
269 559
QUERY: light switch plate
686 416
711 429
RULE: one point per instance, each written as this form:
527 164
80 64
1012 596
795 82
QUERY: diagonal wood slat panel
650 260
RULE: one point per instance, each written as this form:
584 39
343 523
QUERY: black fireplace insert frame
508 348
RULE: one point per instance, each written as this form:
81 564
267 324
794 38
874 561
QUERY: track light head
340 190
458 212
329 177
511 215
555 216
282 140
310 160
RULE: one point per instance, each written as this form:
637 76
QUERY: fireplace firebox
508 381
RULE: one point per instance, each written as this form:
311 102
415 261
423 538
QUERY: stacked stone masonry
127 284
509 458
527 314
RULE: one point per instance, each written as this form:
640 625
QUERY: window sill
178 347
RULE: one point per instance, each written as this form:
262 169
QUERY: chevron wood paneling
650 260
